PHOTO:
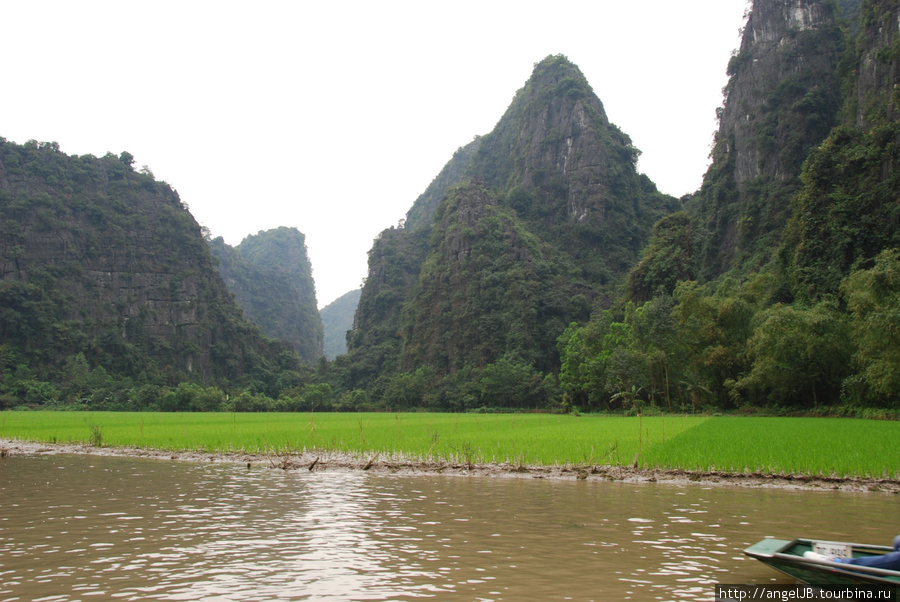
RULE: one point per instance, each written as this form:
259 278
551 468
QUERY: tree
873 302
76 377
655 332
800 356
509 382
600 360
668 259
406 390
712 332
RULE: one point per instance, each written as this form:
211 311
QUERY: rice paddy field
810 446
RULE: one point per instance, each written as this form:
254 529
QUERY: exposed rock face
849 209
781 102
271 278
779 45
878 70
100 259
782 54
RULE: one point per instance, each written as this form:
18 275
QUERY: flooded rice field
79 527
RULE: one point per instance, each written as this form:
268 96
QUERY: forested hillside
271 278
107 287
779 286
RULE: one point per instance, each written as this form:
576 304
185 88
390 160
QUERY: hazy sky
334 116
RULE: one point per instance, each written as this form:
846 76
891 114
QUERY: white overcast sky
333 116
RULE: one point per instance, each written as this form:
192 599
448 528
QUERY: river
80 527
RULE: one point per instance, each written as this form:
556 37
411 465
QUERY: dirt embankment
325 461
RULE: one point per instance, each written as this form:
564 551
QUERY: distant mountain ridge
337 318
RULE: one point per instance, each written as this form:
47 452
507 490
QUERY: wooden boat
787 557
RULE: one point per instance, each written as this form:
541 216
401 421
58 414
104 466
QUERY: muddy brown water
76 527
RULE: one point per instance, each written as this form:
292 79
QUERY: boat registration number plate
833 549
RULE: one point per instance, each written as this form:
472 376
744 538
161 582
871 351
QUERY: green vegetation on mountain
520 234
395 261
848 210
777 287
782 99
107 287
271 278
492 284
670 258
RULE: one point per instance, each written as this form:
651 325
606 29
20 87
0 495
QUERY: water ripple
80 527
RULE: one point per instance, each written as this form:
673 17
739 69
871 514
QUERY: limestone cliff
849 208
780 103
805 165
271 277
876 91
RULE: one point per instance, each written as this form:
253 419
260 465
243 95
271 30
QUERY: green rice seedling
542 439
810 446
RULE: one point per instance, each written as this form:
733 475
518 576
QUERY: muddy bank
338 461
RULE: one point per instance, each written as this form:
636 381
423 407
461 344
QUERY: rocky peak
556 137
282 248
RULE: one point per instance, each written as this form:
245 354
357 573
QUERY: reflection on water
81 527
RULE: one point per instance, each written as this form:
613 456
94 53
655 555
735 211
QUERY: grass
812 446
519 439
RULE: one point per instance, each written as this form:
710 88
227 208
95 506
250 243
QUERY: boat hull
787 556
